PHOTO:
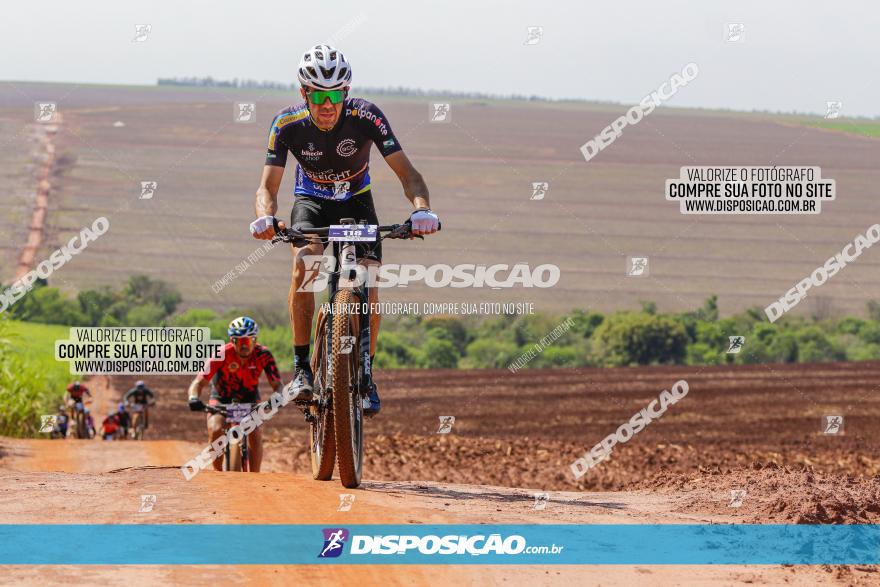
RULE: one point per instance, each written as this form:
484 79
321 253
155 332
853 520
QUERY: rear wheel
348 410
323 440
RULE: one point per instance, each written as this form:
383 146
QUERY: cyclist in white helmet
330 136
236 379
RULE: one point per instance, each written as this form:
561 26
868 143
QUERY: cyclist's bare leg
215 431
301 304
255 450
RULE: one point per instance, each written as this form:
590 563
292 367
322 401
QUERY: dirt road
45 481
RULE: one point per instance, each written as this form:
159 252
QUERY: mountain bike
137 420
79 417
341 360
235 455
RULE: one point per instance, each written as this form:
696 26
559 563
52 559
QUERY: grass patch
32 382
865 128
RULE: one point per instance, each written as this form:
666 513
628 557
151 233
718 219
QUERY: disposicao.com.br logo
431 544
319 268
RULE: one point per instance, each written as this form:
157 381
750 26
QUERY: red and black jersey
77 394
236 379
110 424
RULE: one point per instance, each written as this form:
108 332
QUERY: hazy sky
794 55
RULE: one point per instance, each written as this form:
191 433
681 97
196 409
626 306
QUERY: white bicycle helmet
324 68
243 326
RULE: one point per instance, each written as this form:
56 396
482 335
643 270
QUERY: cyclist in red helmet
76 392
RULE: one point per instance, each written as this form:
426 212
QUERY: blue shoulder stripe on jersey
283 120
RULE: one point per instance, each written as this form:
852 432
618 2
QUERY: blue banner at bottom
750 544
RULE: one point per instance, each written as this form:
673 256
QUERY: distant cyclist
76 392
236 379
59 428
330 136
140 395
110 426
124 419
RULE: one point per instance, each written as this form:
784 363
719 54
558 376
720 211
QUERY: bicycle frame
335 414
345 254
242 446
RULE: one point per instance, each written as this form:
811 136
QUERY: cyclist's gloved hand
196 405
264 227
424 222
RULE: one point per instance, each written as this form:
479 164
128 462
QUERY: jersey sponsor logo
388 143
329 175
357 183
290 118
377 120
233 367
311 153
346 148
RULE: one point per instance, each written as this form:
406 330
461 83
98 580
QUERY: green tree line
582 338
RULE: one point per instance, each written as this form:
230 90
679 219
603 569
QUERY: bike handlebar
290 234
215 409
224 411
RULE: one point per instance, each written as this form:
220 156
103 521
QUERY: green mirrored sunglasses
318 97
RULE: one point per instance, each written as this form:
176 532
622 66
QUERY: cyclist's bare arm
266 203
275 384
196 387
413 183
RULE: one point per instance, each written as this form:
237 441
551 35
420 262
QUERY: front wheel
81 431
138 426
322 447
348 410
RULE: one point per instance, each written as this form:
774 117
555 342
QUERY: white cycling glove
262 224
424 222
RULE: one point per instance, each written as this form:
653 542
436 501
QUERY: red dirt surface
746 425
755 429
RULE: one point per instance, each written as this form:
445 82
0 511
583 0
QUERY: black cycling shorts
316 213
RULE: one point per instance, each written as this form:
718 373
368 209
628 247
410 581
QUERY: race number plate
235 413
136 407
353 233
